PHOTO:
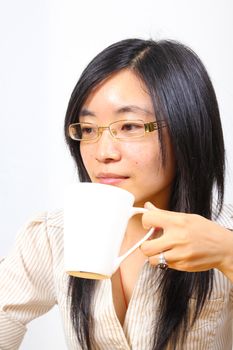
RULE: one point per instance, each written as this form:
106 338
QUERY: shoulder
41 230
44 221
39 239
225 218
49 218
55 218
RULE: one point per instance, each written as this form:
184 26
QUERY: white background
44 47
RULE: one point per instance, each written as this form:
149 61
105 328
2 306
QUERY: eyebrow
124 109
85 112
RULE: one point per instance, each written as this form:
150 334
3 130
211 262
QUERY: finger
155 259
156 246
178 264
156 217
173 262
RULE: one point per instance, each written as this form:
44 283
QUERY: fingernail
149 205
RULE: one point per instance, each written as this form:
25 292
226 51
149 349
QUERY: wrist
226 265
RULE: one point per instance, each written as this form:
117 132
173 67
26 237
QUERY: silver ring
162 262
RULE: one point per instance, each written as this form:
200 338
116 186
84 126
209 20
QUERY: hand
190 242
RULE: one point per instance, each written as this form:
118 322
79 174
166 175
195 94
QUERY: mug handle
119 260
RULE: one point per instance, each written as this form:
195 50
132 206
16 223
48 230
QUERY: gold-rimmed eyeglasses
120 130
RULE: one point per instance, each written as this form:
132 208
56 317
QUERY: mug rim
114 188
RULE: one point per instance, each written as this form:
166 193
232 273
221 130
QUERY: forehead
120 90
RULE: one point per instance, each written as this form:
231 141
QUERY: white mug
95 221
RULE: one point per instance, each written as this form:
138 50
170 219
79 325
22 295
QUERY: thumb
155 217
149 205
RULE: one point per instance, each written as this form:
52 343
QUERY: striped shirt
32 281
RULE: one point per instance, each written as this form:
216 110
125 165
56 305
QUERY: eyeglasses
121 130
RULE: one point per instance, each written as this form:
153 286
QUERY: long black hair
183 95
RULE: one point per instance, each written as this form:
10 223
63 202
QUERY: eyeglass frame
148 127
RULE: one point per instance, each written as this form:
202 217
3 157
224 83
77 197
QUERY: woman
143 116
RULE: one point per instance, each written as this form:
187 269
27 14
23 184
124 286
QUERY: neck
134 233
135 230
161 200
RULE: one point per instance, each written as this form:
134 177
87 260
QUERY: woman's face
134 165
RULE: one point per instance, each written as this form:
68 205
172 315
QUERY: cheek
87 157
148 160
147 157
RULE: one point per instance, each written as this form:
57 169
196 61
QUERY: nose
107 148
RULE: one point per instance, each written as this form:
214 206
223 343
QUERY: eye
131 126
86 130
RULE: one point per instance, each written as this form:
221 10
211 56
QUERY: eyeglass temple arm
149 127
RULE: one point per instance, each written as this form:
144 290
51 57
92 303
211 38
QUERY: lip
110 178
